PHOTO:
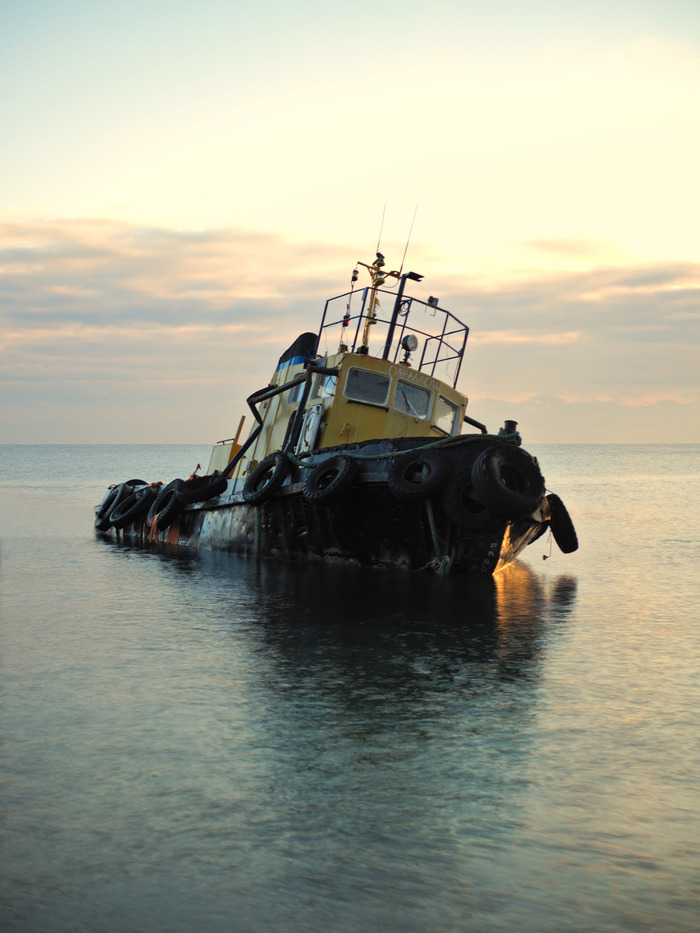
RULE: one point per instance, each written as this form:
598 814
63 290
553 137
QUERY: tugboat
357 455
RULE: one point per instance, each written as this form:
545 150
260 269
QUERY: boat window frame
455 417
370 373
324 386
407 411
295 393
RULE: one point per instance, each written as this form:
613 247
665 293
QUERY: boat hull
364 525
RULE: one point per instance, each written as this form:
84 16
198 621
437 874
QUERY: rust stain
174 532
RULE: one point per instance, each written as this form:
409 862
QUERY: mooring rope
431 445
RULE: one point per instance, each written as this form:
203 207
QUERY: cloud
599 304
113 332
513 336
602 421
99 269
575 247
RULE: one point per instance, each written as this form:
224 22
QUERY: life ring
507 480
562 527
132 507
200 488
266 478
416 475
165 506
462 505
331 478
115 494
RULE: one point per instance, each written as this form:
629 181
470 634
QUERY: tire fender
462 505
201 488
266 478
115 495
331 478
132 507
165 506
417 475
562 527
507 480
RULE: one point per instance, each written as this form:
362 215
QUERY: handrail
449 342
262 395
476 424
252 401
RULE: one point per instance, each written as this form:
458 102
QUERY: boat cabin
367 374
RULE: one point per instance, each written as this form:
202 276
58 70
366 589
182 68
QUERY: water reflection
357 742
396 634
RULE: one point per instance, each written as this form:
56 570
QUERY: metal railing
444 336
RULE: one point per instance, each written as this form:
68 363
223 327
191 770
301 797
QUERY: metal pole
394 316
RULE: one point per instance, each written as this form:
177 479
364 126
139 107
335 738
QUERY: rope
547 556
445 564
391 454
442 565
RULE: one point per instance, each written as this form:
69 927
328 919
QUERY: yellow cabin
389 377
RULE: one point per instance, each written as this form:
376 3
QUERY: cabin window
325 386
412 399
446 414
363 385
296 393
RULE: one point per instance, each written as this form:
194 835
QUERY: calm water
204 743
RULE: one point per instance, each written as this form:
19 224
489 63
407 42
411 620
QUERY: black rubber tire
417 475
562 527
201 488
462 505
166 507
507 480
133 506
266 478
331 478
115 495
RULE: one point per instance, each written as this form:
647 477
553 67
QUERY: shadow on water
398 632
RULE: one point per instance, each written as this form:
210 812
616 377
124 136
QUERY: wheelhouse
383 364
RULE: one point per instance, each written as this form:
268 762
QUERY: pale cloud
514 336
119 333
103 271
603 421
575 247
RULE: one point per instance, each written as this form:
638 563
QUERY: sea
200 742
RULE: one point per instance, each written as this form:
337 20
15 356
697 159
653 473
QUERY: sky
183 184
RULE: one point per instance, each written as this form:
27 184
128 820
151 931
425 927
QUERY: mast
378 279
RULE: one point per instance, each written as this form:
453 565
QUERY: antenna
408 240
381 226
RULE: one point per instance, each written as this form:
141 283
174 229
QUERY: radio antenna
408 240
381 226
